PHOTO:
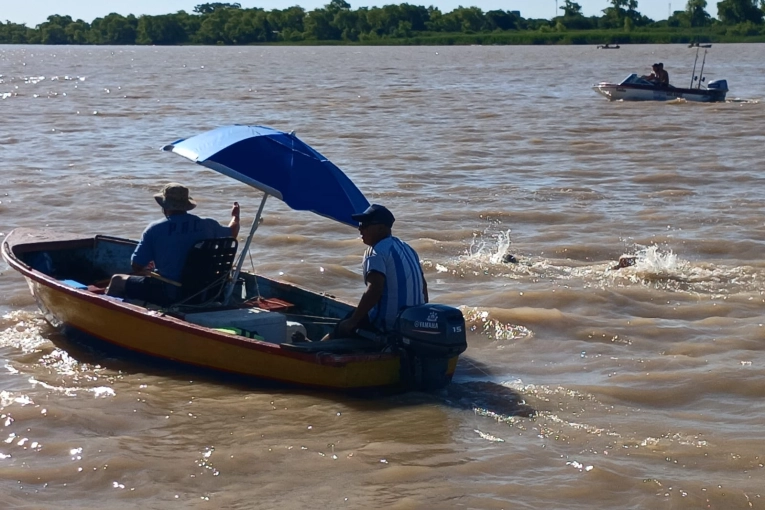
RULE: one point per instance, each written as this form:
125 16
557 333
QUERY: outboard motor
718 85
429 336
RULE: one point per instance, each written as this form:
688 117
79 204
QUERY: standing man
164 246
392 274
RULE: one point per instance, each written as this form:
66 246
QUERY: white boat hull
620 92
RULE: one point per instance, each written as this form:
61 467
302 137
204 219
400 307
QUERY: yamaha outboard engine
429 336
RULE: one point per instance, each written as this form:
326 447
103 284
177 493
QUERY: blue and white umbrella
278 163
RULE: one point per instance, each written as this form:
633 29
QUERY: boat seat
334 346
205 271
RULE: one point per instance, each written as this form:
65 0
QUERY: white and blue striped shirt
404 282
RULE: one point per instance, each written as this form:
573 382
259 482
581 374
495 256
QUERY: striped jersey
404 282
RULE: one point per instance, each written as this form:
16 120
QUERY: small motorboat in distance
608 46
637 88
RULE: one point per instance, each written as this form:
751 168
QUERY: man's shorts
146 288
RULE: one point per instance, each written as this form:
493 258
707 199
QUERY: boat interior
269 310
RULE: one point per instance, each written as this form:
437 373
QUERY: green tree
621 10
732 12
464 19
351 24
211 8
288 19
697 14
678 19
53 30
319 26
190 23
416 15
501 20
14 33
164 29
336 6
288 23
573 17
113 29
614 15
77 32
212 30
571 9
249 26
383 22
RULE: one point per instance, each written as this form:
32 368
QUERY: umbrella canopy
279 164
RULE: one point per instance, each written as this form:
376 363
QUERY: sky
34 12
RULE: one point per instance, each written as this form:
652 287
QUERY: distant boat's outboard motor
429 336
718 85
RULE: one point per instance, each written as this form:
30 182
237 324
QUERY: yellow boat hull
172 339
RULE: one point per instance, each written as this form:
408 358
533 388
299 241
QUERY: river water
583 387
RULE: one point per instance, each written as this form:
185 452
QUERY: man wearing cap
164 246
392 274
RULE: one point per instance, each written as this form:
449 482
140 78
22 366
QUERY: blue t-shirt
168 241
404 282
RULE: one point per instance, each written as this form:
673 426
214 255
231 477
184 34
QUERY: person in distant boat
659 76
654 76
662 76
164 245
392 274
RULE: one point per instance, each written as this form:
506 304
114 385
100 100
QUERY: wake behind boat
230 320
638 88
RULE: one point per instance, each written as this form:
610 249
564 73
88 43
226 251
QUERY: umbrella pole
232 283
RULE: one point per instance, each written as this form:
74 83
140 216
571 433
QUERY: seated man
392 273
164 246
654 76
662 76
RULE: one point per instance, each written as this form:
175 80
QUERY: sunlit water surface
584 386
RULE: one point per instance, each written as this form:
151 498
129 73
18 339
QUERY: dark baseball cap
375 214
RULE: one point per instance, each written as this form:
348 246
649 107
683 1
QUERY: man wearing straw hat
164 246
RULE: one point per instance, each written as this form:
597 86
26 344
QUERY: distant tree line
228 23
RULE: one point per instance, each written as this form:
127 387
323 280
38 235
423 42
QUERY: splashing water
493 253
22 331
479 321
650 259
654 266
664 270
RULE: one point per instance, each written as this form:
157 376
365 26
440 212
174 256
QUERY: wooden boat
242 323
